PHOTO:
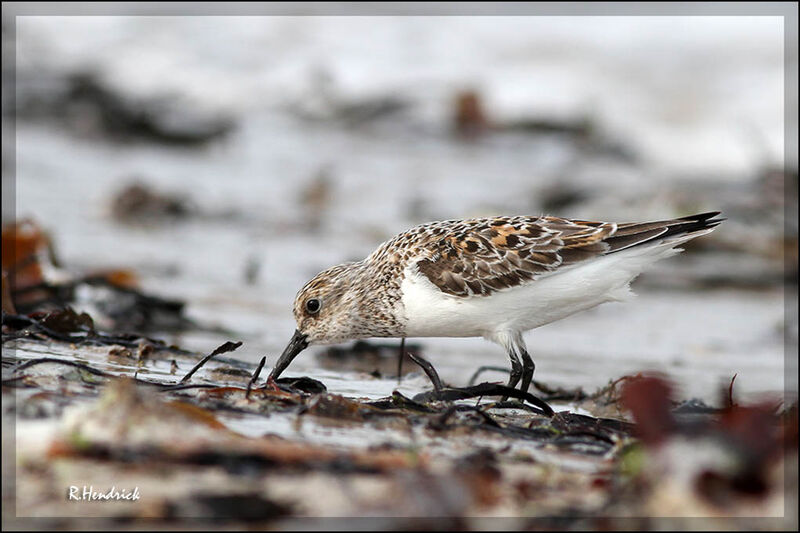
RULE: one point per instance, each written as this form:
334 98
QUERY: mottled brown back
481 256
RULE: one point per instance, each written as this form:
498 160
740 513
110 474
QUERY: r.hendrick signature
89 494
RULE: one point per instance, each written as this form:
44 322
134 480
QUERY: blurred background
224 161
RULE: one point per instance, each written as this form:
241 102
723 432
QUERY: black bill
297 344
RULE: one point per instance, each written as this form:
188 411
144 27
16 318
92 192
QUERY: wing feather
482 256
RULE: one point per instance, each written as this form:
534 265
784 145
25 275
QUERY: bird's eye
313 305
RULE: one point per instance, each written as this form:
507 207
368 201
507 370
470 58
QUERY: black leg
528 367
400 360
516 370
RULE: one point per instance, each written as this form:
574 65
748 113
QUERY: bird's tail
672 232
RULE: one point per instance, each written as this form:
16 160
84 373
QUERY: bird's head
326 311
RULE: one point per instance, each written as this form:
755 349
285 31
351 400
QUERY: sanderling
486 277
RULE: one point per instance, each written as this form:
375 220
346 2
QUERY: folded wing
482 256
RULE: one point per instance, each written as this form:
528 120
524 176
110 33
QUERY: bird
494 277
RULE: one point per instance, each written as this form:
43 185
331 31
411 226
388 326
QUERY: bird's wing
481 256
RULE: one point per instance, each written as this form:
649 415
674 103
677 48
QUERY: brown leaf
649 400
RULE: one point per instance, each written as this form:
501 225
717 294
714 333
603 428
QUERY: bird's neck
375 306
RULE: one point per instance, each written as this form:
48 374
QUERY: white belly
432 313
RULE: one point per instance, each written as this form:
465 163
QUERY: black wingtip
664 229
703 220
694 223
